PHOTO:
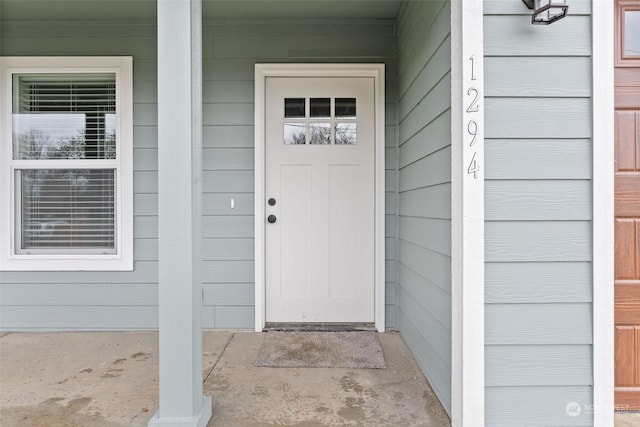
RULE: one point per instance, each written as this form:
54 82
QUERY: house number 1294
472 125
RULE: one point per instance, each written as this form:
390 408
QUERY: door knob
272 219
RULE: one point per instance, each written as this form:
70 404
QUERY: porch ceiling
70 10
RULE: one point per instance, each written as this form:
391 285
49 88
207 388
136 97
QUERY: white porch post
467 187
179 214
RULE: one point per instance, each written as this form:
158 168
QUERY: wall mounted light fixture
546 12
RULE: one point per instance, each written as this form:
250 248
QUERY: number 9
472 129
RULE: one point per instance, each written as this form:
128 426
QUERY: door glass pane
346 108
67 209
319 133
64 116
346 133
294 107
294 133
632 33
320 107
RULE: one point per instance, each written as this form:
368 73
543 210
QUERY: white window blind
64 129
67 209
64 116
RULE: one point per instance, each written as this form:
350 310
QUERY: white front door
320 158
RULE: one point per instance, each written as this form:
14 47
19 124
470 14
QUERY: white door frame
603 35
262 71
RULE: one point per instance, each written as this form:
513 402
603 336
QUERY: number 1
473 72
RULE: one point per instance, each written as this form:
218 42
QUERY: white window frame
10 260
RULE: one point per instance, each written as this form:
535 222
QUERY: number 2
473 106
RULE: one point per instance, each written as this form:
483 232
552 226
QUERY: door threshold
318 327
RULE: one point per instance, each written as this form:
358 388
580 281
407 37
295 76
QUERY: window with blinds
65 162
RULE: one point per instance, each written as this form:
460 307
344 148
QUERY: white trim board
262 71
467 215
603 34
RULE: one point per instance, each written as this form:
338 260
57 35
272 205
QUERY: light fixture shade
546 12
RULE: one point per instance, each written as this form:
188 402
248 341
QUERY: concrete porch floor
110 379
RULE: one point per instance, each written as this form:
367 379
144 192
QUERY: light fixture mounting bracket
546 12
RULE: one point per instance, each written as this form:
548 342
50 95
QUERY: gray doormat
321 350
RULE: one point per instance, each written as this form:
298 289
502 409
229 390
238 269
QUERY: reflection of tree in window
294 133
50 103
297 138
345 133
66 117
32 144
36 145
319 133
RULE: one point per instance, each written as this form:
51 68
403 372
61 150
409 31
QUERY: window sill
65 263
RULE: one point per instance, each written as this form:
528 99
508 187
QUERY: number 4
473 168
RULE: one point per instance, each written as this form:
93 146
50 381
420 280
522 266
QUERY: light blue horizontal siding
114 45
309 27
428 233
229 249
534 323
513 35
228 226
227 136
266 46
227 181
96 300
508 7
229 317
145 136
143 272
538 159
425 337
538 365
422 30
537 118
512 76
145 182
98 318
419 145
434 104
538 406
428 171
538 241
538 200
541 282
538 208
227 159
412 203
230 50
231 294
79 294
424 189
428 263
